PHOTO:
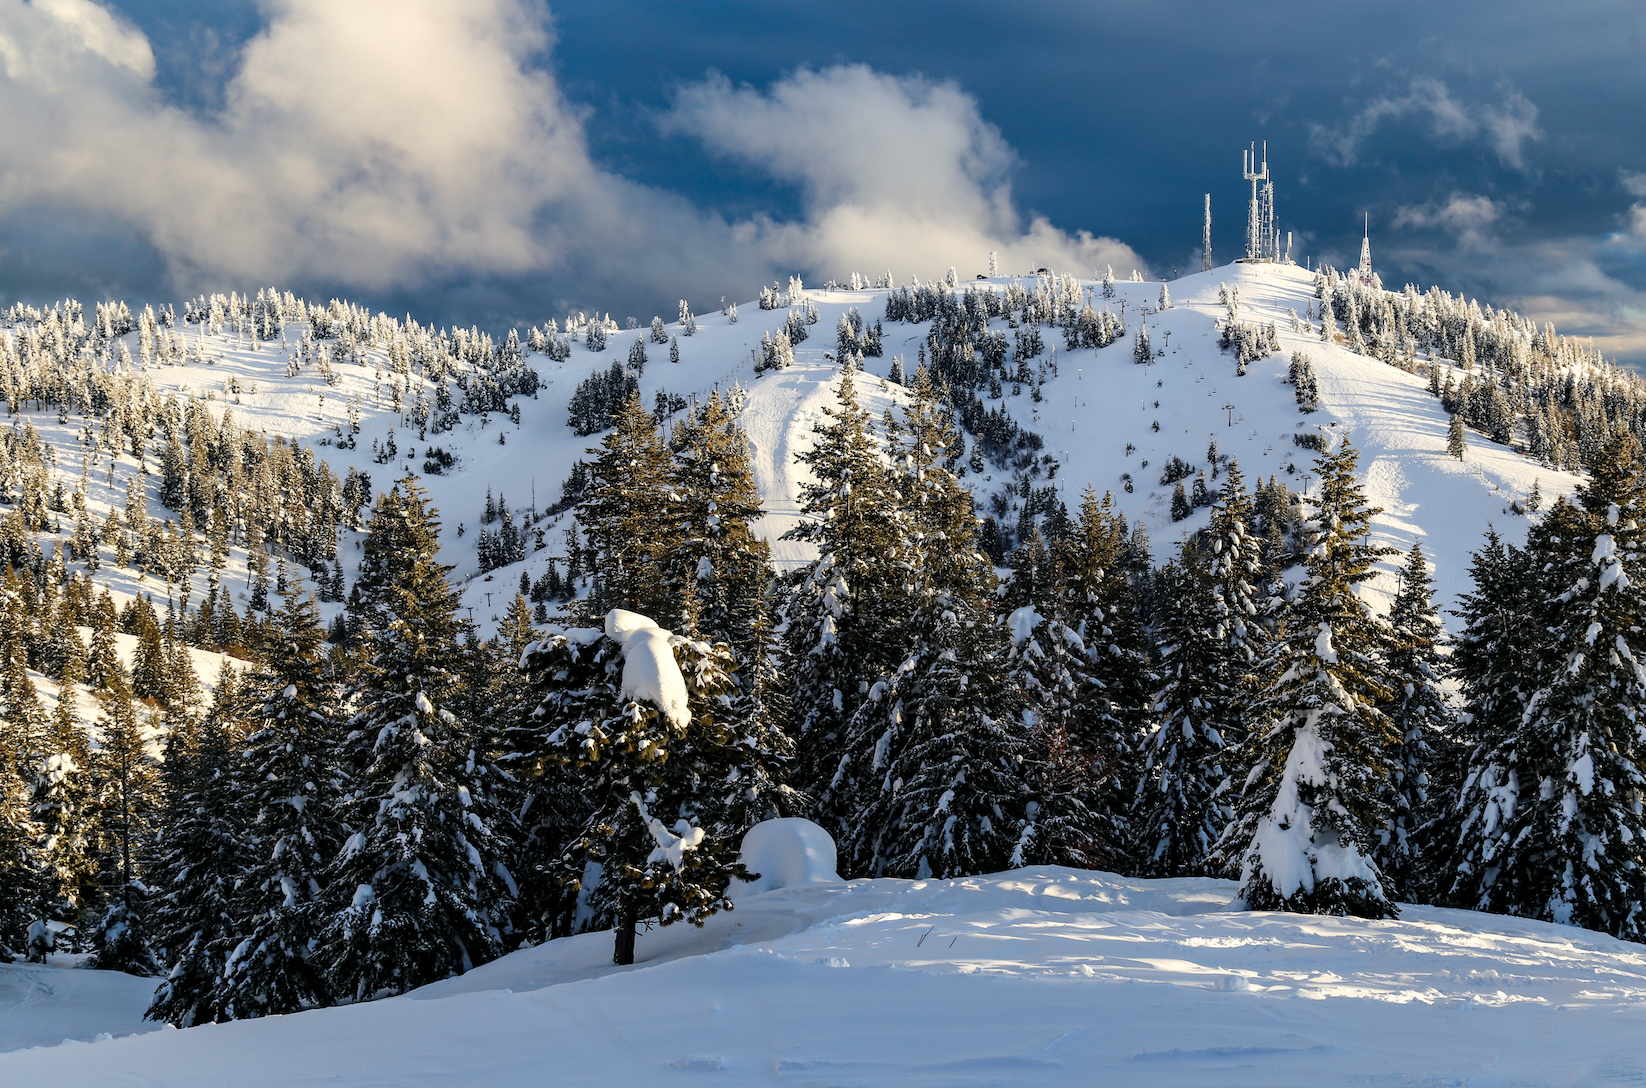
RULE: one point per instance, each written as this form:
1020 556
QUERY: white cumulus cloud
394 144
894 171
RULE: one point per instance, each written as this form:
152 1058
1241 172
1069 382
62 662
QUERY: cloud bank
392 146
1506 127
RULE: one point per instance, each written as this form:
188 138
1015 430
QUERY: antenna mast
1206 238
1262 240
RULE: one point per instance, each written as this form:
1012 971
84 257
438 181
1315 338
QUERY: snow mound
649 669
787 853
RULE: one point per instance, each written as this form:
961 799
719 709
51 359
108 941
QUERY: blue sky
499 161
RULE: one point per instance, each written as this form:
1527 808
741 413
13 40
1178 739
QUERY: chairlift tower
1262 243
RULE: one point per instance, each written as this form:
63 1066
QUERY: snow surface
650 671
786 853
1042 976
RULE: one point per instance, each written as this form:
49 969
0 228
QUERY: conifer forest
980 662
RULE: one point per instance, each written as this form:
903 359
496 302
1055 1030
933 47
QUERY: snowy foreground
1041 976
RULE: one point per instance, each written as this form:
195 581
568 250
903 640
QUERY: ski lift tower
1262 244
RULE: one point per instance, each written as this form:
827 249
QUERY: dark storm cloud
1492 146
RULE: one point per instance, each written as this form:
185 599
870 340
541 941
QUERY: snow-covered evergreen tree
205 849
628 513
632 710
1310 805
128 801
1177 820
418 892
291 783
63 809
718 560
1456 438
1100 596
1210 634
1417 710
1551 823
844 609
937 749
1046 662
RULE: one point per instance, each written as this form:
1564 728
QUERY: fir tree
195 922
418 892
631 710
719 561
1177 819
1550 824
1100 594
628 515
1310 807
1456 438
21 735
128 801
843 610
63 809
290 785
1418 712
937 749
1210 634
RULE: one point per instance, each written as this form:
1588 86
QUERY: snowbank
787 853
1040 976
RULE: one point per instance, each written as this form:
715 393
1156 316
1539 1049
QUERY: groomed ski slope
1042 976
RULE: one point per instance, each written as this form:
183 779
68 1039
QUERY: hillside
418 784
1096 419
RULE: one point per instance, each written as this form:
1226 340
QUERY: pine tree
1180 502
1456 440
1210 634
1100 595
1310 809
1177 819
718 560
937 749
1550 824
196 923
22 735
418 892
1046 662
628 513
844 608
1418 712
290 786
63 809
631 710
721 571
128 801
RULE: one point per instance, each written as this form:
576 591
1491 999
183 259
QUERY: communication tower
1262 242
1365 269
1206 238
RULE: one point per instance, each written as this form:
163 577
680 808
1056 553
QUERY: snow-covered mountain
1041 975
1104 419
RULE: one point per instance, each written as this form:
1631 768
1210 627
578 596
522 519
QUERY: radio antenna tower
1206 238
1262 244
1365 269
